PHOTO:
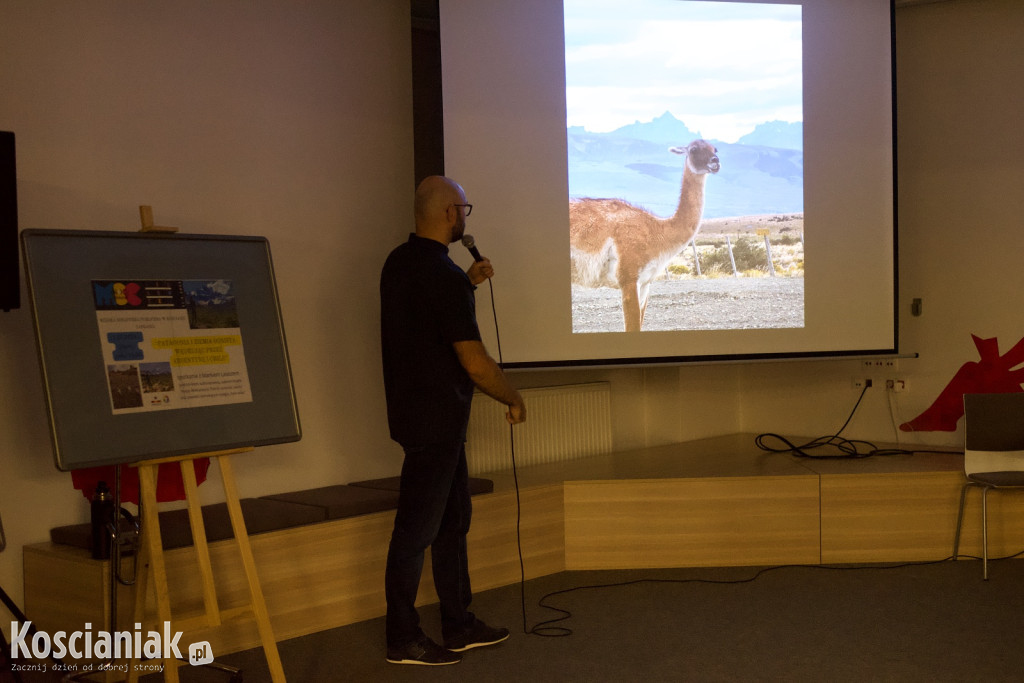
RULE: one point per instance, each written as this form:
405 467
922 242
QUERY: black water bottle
102 515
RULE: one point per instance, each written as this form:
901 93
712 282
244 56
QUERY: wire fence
740 256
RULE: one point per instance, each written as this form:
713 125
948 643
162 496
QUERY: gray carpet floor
934 622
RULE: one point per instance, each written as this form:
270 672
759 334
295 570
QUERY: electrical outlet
859 383
896 385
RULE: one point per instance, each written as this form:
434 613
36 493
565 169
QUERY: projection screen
676 180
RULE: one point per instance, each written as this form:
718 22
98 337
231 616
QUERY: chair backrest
994 432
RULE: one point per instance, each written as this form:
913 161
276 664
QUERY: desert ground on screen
716 300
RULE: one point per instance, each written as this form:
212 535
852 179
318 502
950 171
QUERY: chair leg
984 531
960 520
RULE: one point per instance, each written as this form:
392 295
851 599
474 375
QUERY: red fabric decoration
169 484
993 374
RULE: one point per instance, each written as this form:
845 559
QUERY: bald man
433 358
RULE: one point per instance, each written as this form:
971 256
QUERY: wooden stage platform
713 502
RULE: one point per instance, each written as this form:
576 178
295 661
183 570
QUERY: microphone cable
540 629
515 474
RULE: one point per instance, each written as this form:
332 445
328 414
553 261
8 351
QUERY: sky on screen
719 67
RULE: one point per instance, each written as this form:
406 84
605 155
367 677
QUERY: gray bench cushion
342 500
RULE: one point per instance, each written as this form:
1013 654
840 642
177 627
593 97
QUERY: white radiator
562 423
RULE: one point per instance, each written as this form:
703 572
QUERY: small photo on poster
125 389
210 304
156 377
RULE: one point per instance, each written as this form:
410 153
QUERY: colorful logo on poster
137 294
117 293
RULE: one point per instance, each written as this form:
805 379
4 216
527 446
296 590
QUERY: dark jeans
434 511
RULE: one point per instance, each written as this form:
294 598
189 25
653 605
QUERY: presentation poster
170 344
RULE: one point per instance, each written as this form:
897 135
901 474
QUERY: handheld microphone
468 243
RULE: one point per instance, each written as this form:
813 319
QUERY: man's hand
488 377
516 412
480 271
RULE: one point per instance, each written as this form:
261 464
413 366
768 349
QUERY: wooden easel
153 565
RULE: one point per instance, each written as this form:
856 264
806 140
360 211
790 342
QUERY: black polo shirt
427 303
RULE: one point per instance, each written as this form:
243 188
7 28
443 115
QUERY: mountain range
761 173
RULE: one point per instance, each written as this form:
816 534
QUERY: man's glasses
467 207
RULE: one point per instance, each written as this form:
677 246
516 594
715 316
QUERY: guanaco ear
677 150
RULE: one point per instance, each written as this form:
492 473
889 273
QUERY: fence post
768 253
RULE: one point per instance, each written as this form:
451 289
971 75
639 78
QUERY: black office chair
993 453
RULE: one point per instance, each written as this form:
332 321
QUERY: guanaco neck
691 200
